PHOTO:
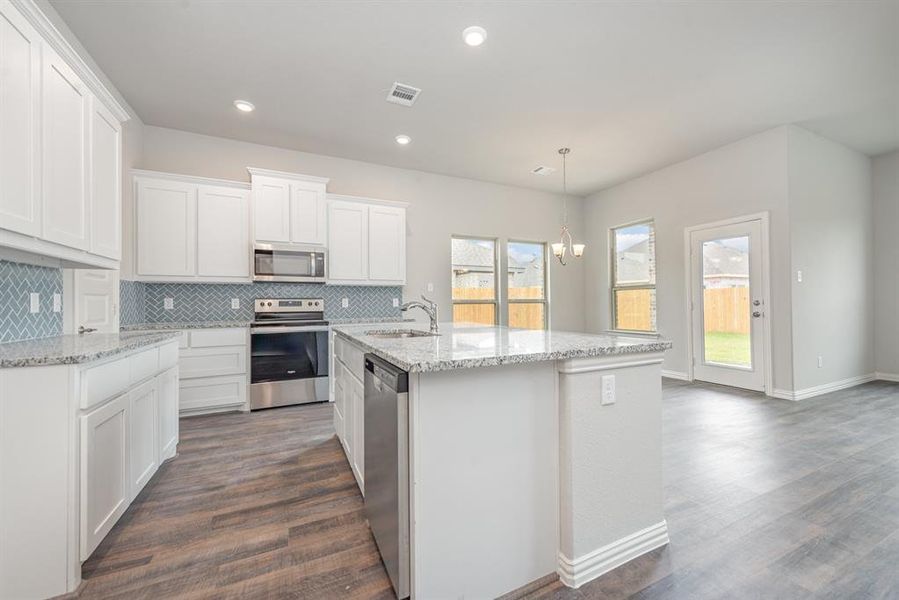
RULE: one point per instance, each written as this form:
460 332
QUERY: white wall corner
834 386
576 572
886 376
680 376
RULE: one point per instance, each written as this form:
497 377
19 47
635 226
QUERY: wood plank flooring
764 499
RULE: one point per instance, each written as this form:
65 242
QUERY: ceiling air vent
400 93
542 170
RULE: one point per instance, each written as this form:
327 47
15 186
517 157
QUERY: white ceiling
629 86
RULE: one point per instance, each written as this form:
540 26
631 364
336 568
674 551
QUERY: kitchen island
529 452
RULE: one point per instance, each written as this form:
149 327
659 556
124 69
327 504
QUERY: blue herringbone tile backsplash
17 281
144 302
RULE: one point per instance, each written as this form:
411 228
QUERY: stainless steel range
288 352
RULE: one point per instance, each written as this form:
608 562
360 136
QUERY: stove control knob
269 304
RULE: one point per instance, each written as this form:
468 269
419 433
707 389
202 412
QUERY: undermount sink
400 333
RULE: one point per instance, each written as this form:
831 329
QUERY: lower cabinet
144 437
105 480
213 370
167 392
349 404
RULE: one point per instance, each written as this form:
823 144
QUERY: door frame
764 219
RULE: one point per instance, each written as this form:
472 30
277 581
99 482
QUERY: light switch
608 390
396 303
235 303
345 303
34 302
168 303
57 303
430 287
799 276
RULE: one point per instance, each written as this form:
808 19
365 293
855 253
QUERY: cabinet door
339 408
347 241
307 214
105 489
64 167
144 438
271 209
20 72
357 401
105 182
387 244
166 228
167 390
223 247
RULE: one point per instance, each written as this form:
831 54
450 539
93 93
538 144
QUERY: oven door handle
276 329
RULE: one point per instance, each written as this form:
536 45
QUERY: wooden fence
528 316
725 310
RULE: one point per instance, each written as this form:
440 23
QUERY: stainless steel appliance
288 352
387 466
284 262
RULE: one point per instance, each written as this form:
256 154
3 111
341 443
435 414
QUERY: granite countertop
369 320
465 347
74 349
184 325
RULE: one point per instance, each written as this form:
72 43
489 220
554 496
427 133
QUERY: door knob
756 302
82 329
756 314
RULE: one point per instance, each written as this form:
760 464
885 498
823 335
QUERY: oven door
288 365
272 262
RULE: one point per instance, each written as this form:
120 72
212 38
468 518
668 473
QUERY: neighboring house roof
718 259
632 262
474 257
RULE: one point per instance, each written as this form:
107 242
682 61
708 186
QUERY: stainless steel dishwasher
387 466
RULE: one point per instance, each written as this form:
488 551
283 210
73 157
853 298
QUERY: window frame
496 271
613 278
545 299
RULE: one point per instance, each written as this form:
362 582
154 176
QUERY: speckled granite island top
185 325
74 349
466 347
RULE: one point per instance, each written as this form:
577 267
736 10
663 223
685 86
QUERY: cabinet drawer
209 338
213 393
184 340
209 362
104 381
168 356
354 360
144 364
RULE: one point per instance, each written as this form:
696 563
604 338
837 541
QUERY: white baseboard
886 376
675 375
826 388
577 572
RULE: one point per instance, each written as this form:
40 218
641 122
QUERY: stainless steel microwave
283 262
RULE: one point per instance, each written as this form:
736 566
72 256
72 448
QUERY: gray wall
831 233
440 206
886 264
746 177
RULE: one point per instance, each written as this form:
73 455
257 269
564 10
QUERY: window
527 284
632 248
475 296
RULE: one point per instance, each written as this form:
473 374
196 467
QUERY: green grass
728 348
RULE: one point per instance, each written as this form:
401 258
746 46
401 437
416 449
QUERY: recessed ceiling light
474 35
403 139
244 106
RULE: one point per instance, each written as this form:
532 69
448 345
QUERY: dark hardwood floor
764 499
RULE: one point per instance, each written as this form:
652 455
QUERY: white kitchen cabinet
20 71
288 207
386 244
366 241
349 404
66 106
213 369
144 435
167 394
223 248
166 227
105 469
347 241
357 401
105 182
190 228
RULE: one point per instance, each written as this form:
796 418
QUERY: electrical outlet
168 303
235 303
608 390
430 287
57 303
345 302
34 301
396 303
820 362
798 276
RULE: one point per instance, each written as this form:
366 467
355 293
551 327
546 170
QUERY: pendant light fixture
565 245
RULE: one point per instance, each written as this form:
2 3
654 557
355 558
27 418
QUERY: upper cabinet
60 147
190 228
366 241
288 208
